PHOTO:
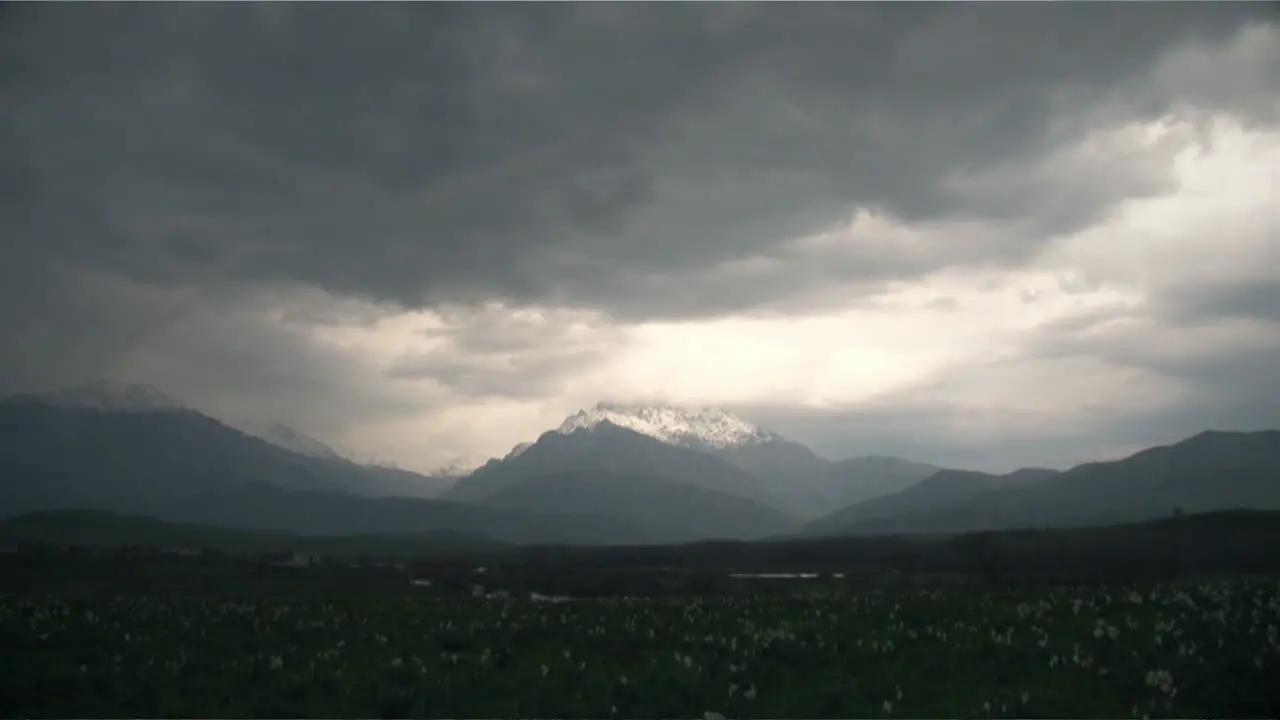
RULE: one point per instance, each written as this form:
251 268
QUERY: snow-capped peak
104 394
709 427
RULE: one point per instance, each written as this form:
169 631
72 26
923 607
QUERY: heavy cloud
577 154
252 200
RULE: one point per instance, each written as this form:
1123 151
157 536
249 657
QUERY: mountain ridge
1211 471
610 448
783 473
690 474
290 439
103 394
55 452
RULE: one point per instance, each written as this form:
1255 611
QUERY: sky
980 235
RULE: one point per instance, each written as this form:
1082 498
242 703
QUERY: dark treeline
206 575
1160 551
1192 546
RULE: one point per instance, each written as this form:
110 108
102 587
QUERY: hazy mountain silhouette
612 449
134 450
1211 471
64 456
938 491
862 478
760 465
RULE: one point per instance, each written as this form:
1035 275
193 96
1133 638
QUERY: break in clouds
973 234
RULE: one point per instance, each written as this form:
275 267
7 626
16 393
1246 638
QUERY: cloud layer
427 231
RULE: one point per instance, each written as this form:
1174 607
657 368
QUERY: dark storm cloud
221 353
593 155
61 324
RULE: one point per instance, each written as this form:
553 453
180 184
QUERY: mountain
606 447
667 510
939 490
799 479
857 479
794 478
1209 472
516 451
710 448
388 481
380 479
131 448
700 429
102 394
290 439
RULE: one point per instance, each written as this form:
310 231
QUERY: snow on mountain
301 443
105 394
706 427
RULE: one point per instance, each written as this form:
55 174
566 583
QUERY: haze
977 235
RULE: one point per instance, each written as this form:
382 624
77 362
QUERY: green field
1195 650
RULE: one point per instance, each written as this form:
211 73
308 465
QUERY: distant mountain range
1209 472
711 449
110 449
611 474
936 493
